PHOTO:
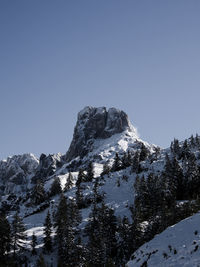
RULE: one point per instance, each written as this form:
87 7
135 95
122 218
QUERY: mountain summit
97 123
111 191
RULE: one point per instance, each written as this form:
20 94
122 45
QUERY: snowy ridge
178 245
105 149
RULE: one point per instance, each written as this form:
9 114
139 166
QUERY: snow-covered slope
178 245
99 134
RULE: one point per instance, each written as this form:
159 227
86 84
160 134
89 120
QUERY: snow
178 245
117 143
119 193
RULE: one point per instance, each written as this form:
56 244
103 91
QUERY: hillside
108 195
177 246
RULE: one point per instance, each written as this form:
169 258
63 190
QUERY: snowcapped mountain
99 133
106 141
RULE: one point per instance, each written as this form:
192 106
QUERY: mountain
97 123
112 180
100 133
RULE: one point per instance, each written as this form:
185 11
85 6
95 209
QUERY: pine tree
90 173
129 159
117 163
192 141
192 175
60 220
66 220
185 150
18 232
33 244
124 161
5 238
47 233
144 152
81 177
197 141
79 188
69 182
125 241
136 162
79 196
95 247
175 148
101 232
38 194
135 229
157 152
55 187
142 201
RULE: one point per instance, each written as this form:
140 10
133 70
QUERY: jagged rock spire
93 123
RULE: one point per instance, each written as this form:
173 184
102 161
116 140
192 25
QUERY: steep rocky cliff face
96 123
16 171
47 166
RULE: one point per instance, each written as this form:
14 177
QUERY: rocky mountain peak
96 123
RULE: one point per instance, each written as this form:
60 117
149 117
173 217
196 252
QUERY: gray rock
94 123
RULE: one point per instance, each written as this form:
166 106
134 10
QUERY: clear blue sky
57 57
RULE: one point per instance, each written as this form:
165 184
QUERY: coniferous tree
125 241
144 152
33 244
157 152
192 175
117 163
109 226
192 141
81 177
124 160
185 150
142 203
175 148
168 174
135 229
95 247
69 182
79 195
101 231
38 194
197 141
5 238
129 159
96 194
55 187
136 162
47 233
90 173
60 220
18 232
66 220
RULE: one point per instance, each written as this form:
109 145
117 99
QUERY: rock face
95 123
47 166
14 171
